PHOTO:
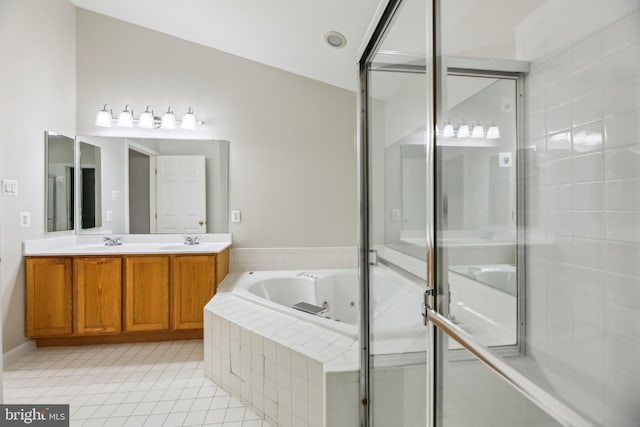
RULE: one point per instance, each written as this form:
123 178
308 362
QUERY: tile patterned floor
142 384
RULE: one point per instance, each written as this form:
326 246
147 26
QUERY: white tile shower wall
260 259
582 122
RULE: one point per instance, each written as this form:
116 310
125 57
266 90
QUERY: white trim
15 354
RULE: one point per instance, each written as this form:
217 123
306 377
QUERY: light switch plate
236 216
9 187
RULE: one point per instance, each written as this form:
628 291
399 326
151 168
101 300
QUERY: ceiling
286 34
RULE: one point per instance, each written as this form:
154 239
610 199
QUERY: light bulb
103 118
463 131
493 132
478 131
125 119
189 120
168 120
146 119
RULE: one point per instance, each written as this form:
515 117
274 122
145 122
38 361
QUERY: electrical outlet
236 215
505 160
25 219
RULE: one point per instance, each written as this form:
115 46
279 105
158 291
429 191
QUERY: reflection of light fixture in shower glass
463 131
448 132
478 131
493 132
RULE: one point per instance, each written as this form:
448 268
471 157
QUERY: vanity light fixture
168 120
147 120
189 120
125 119
104 118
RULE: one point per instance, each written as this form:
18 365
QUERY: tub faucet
188 240
112 241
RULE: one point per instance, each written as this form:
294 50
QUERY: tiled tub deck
291 372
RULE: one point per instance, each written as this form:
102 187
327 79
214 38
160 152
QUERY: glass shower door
393 270
525 171
569 177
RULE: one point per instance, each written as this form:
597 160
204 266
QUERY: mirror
478 174
60 178
144 186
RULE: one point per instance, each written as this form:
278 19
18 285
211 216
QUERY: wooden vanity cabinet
48 296
97 295
85 299
146 302
193 285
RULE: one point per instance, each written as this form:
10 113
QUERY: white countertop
131 245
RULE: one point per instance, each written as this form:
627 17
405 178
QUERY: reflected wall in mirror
60 182
90 186
161 185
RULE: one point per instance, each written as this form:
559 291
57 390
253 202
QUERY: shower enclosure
500 175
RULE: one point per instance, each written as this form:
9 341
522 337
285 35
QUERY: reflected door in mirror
181 194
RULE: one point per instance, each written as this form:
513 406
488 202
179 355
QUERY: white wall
583 203
37 83
292 139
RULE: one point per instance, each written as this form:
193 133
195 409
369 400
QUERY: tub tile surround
288 371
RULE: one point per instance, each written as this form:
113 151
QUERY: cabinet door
193 281
146 293
48 296
97 295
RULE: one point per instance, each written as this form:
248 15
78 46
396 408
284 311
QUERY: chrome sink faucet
112 241
188 240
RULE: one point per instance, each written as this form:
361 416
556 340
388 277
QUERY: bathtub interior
499 276
483 302
396 303
335 290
